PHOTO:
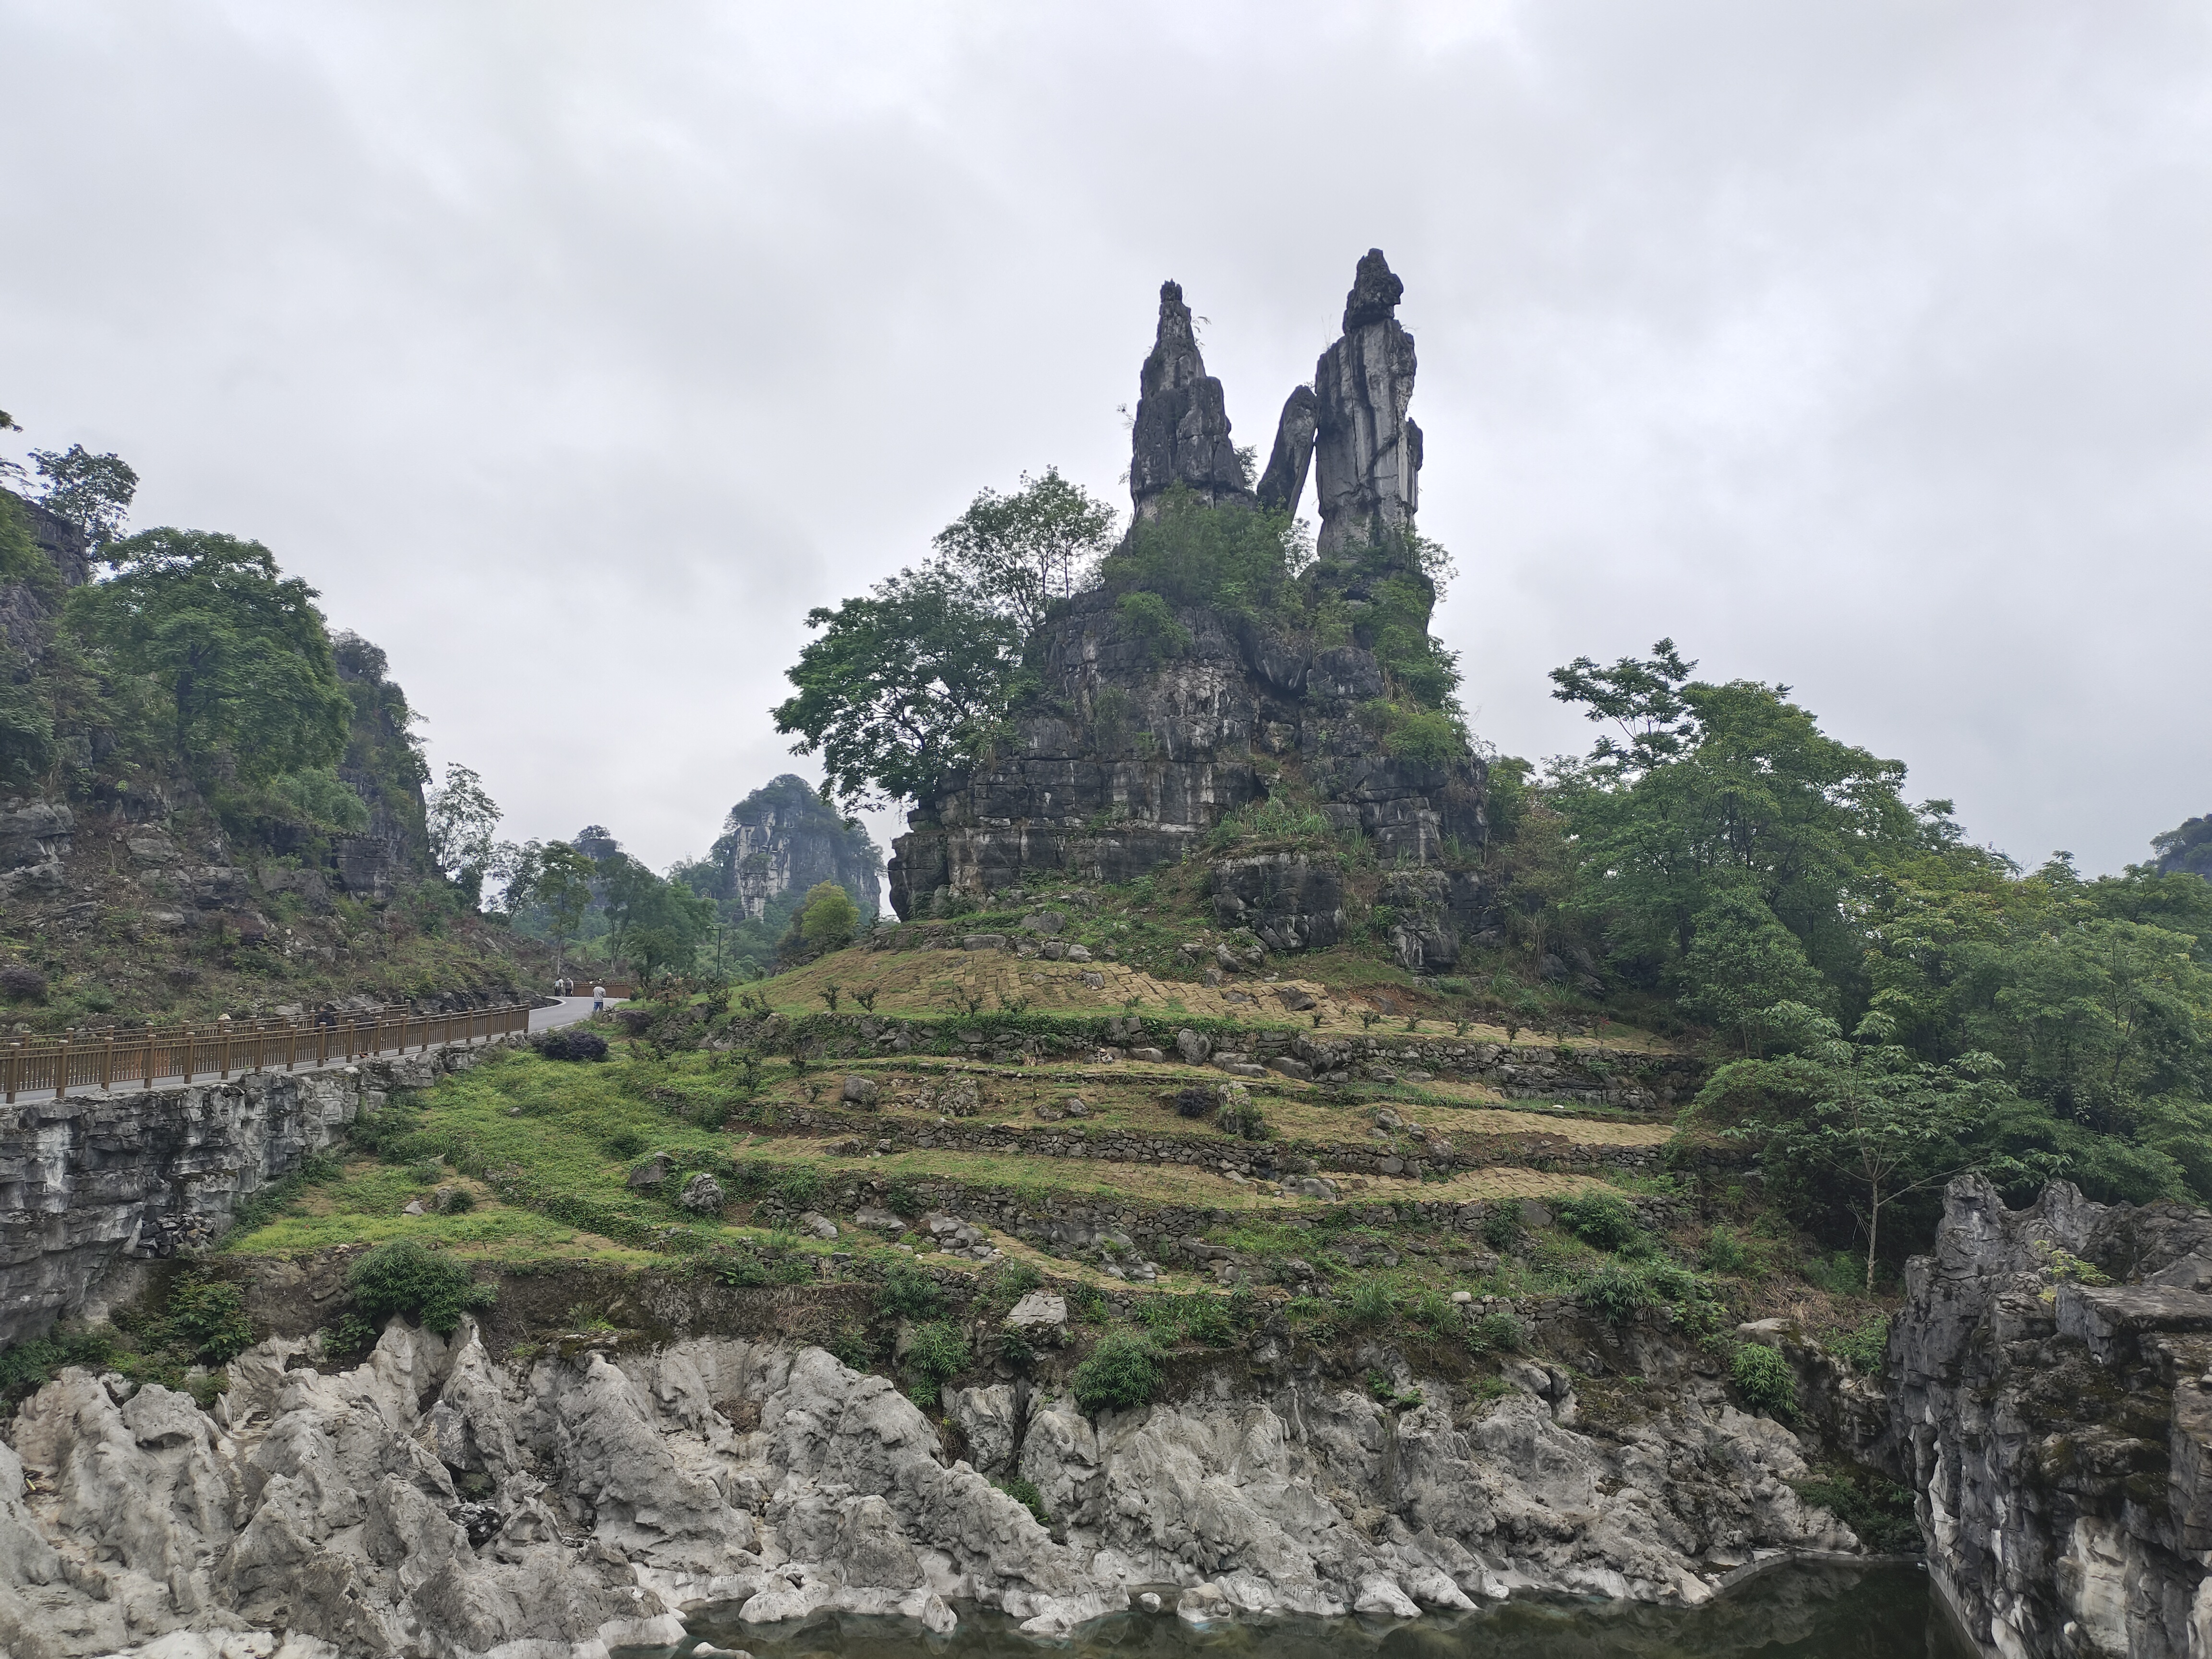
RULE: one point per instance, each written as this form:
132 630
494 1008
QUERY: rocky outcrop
91 1182
430 1501
1367 453
784 838
1284 481
2050 1381
61 542
1141 758
34 839
380 766
27 608
1182 429
1289 901
1143 737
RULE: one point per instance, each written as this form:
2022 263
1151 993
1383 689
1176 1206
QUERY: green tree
1865 1113
1741 962
559 877
1019 553
93 492
1726 789
461 818
828 919
238 651
902 687
639 903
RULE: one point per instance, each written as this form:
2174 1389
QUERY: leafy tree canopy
237 652
93 492
461 819
1725 788
900 688
1018 553
828 919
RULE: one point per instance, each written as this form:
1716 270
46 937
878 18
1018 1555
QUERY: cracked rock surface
2050 1393
431 1502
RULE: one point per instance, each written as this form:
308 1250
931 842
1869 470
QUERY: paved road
567 1012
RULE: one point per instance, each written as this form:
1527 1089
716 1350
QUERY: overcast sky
573 351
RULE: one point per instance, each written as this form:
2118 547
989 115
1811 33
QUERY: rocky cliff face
1134 752
2052 1401
1367 451
383 768
1182 429
90 1183
432 1501
783 838
23 609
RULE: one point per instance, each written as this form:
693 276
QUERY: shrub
1501 1224
1840 1273
1725 1253
1124 1370
1425 737
1434 1314
1495 1332
1240 1117
1864 1347
1762 1376
908 1292
19 983
937 1354
1872 1505
1146 619
1025 1493
1190 553
1194 1102
623 1143
208 1318
1010 1281
350 1336
460 1200
1207 1322
829 918
1601 1218
1614 1293
404 1278
28 1366
570 1043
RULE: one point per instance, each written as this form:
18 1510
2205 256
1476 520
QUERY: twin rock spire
1350 425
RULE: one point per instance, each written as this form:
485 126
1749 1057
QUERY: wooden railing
109 1060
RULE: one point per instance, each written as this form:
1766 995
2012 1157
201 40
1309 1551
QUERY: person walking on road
599 998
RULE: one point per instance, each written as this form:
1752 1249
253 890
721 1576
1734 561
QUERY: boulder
652 1173
703 1193
1194 1047
859 1091
1039 1310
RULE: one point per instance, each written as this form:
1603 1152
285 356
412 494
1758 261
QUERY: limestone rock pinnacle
1183 424
1285 480
1367 454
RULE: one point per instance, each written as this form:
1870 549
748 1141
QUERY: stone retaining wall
1408 1159
1609 1077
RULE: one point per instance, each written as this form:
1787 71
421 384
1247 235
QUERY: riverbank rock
2051 1379
568 1498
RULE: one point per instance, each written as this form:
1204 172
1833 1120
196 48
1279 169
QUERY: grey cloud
574 351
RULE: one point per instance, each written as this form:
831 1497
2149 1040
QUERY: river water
1802 1611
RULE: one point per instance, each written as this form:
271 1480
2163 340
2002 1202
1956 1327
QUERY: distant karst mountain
784 838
